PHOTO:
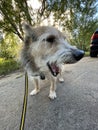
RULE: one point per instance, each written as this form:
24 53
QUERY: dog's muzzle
54 69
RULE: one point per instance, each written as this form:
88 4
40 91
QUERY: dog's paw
61 80
34 92
52 95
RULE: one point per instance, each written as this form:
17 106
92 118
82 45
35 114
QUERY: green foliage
7 66
76 17
10 47
87 53
13 13
9 53
84 23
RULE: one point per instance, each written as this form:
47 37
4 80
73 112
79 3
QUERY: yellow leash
24 103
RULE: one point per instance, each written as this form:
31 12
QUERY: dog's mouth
54 69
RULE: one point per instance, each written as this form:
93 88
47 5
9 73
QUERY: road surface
75 108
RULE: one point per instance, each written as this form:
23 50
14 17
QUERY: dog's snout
78 54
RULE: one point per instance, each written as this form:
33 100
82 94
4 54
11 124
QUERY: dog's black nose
78 54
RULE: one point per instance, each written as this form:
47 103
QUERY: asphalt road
75 108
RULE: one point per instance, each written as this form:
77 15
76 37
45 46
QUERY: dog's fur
45 50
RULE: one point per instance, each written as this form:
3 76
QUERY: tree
83 22
14 12
78 17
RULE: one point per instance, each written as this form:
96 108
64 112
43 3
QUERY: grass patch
7 66
87 53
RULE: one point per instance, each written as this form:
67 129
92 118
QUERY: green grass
7 66
87 53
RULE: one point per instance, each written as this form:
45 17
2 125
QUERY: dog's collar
41 75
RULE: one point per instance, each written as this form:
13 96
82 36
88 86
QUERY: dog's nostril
78 54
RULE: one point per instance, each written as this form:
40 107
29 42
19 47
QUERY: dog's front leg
52 94
61 80
60 74
36 85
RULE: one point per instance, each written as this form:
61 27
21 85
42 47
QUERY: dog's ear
26 28
29 32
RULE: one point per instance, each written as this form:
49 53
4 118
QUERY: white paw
52 95
34 92
61 79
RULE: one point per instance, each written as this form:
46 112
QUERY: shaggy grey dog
45 50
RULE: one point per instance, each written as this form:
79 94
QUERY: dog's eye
50 39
